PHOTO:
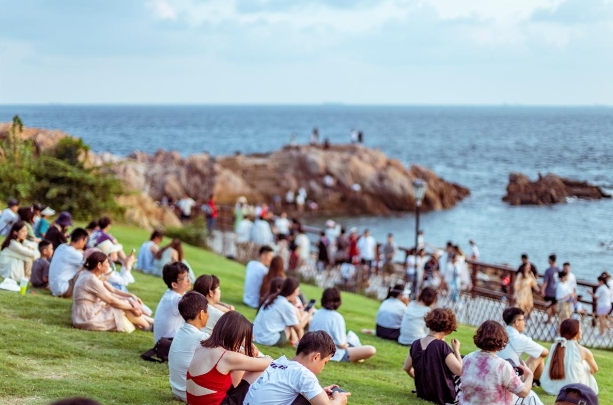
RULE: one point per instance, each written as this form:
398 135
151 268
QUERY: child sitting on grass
40 267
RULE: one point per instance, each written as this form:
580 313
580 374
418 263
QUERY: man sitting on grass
254 274
147 251
66 263
167 318
193 308
295 381
520 344
40 267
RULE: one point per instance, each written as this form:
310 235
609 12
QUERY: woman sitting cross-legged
219 372
278 320
432 363
98 306
489 379
17 253
568 361
331 321
208 285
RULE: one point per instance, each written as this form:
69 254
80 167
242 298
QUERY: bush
194 233
57 177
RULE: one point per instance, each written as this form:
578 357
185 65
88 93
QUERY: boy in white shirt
295 381
193 308
167 318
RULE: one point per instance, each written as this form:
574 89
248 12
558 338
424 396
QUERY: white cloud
162 10
503 11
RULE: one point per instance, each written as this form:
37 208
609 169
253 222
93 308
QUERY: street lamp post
419 190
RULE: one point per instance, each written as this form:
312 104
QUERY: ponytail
556 367
289 286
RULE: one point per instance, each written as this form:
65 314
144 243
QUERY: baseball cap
569 393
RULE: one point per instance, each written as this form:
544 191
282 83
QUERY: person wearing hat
573 394
56 234
118 279
42 226
9 217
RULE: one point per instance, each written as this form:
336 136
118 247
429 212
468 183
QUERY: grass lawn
43 358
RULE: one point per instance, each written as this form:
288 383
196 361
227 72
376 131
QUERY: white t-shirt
281 383
254 274
282 225
65 263
366 246
271 321
562 290
167 318
518 345
243 231
333 323
475 250
603 295
572 282
186 205
413 325
261 234
304 243
181 353
390 313
214 315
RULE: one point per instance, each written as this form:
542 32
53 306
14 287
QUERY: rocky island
384 185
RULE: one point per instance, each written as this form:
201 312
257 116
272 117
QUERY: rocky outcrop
385 184
43 138
548 189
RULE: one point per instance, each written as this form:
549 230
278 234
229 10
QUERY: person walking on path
548 289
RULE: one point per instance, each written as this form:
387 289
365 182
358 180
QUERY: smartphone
338 389
133 251
309 305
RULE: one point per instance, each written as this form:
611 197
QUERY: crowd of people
211 347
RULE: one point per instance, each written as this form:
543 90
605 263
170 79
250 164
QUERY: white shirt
282 225
214 315
186 205
518 345
603 295
413 325
562 290
475 250
243 231
289 197
271 321
304 243
7 219
282 382
572 281
367 245
144 260
65 264
333 323
261 234
390 313
167 318
181 353
254 274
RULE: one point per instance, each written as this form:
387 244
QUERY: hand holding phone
310 305
338 389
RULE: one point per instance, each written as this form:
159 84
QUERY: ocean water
474 146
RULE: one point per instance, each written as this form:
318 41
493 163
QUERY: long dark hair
287 288
273 287
231 331
569 329
17 226
176 245
26 214
275 270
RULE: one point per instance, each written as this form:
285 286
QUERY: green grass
43 358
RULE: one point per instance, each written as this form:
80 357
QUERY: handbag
160 351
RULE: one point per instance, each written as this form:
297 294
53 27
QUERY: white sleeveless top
576 370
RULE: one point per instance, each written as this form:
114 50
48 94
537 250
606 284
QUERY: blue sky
535 52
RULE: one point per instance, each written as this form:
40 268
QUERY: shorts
345 358
553 300
282 339
604 310
388 333
236 395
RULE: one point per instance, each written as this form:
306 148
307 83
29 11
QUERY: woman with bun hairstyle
98 306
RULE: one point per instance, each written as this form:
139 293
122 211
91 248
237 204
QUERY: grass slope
43 358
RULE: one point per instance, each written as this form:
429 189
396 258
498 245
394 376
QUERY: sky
426 52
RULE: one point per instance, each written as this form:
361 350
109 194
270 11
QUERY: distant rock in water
548 189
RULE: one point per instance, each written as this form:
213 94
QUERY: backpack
160 350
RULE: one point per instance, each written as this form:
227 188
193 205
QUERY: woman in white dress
17 253
568 361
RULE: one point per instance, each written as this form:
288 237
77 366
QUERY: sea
477 147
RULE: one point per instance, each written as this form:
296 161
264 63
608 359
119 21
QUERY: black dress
433 379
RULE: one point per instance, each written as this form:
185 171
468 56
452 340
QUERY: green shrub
194 233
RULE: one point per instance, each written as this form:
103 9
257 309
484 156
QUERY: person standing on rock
185 205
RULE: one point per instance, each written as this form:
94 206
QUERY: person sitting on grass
168 320
56 234
569 362
17 254
41 227
278 320
40 268
147 251
520 344
66 263
208 285
118 279
98 306
295 381
173 252
254 274
413 324
193 308
225 365
275 270
432 363
26 214
391 311
332 322
488 379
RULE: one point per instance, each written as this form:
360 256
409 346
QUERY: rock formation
548 189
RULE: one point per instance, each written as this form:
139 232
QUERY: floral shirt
488 379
